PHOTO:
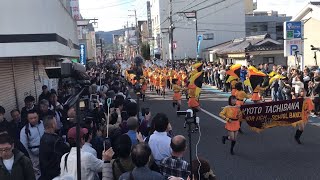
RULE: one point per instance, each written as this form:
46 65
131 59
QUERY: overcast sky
113 14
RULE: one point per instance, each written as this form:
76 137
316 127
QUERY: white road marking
212 115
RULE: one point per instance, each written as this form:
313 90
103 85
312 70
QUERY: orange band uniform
256 93
177 94
241 95
233 87
233 113
307 107
193 102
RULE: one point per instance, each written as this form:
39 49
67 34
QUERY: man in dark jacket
45 93
13 163
29 102
140 155
44 109
16 121
52 147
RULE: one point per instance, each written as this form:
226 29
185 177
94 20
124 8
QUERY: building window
268 60
279 28
263 28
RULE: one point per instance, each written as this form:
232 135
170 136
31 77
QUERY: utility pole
195 14
137 30
171 37
102 57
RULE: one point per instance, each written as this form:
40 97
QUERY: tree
145 51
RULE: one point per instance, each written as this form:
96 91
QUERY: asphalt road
271 155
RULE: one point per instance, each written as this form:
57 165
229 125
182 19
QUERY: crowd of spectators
40 140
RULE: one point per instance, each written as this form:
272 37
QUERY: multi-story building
143 31
34 34
218 21
266 22
89 39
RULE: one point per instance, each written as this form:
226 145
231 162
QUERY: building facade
310 17
266 22
254 50
222 21
34 35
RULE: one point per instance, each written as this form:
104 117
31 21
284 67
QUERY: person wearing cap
45 93
87 147
90 165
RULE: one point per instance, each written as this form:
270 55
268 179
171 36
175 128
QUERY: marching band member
233 87
143 88
256 97
307 107
177 94
157 83
240 96
152 81
193 102
232 115
163 85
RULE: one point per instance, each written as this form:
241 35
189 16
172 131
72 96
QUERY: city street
272 154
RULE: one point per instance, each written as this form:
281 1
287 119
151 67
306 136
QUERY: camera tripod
189 121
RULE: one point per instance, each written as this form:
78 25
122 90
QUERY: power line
105 7
210 5
230 24
182 9
219 10
196 5
210 29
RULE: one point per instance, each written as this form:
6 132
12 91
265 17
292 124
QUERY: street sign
291 46
200 38
293 30
83 54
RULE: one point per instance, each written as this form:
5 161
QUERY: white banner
74 5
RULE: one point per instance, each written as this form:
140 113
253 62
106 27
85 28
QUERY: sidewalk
312 120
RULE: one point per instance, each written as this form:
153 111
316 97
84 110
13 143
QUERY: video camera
73 75
188 113
70 72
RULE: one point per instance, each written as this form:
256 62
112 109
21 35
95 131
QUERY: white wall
311 35
37 17
226 20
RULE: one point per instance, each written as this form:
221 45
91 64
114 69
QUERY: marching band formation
189 80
